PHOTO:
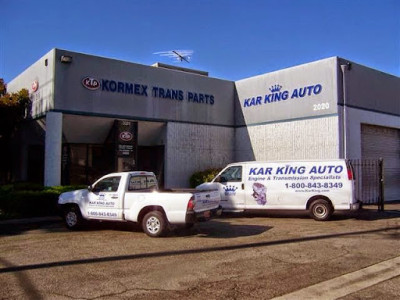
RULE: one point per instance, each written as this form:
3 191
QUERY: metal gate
368 174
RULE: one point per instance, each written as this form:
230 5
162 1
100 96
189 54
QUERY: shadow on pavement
220 230
15 228
10 268
223 230
211 228
370 213
25 282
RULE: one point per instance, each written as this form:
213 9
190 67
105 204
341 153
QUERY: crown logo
275 88
230 190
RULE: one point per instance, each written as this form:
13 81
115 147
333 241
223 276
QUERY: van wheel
154 224
73 218
321 210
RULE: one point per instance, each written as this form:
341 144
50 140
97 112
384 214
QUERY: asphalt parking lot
258 256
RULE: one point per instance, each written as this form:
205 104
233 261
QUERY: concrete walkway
349 283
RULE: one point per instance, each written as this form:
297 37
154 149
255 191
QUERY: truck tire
321 210
73 218
154 224
189 225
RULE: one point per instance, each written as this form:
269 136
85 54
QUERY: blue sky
230 39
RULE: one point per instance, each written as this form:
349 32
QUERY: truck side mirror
90 188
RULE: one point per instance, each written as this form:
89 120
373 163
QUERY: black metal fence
369 181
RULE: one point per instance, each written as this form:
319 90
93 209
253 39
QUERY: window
109 184
142 183
231 174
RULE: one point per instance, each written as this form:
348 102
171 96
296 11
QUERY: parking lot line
348 283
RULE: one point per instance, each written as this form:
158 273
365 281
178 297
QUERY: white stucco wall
192 148
314 138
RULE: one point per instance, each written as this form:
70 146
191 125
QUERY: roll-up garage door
384 142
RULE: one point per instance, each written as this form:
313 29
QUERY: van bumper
355 206
193 217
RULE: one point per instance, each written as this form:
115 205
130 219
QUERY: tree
13 110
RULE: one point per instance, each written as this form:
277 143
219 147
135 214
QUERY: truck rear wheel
154 224
321 210
73 218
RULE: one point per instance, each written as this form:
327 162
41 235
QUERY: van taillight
350 172
190 205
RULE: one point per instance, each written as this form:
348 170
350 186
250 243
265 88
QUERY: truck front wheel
321 210
72 217
154 224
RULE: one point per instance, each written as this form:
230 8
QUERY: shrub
34 201
203 176
27 186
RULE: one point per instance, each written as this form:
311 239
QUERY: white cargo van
321 187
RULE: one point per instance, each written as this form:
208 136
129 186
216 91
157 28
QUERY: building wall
371 90
191 148
133 91
289 114
294 113
357 117
367 96
304 91
315 138
42 72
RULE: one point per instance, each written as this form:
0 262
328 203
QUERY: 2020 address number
321 106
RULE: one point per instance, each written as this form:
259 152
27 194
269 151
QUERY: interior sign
137 89
126 136
126 141
277 94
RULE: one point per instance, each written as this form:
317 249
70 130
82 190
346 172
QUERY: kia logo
90 83
35 86
126 136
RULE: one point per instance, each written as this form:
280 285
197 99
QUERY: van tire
73 218
154 224
321 210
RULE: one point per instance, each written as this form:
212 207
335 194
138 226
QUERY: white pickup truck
135 197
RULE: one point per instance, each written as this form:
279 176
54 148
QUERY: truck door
105 199
232 192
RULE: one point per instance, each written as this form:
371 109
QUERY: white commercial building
92 115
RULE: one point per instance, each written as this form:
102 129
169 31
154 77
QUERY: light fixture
66 59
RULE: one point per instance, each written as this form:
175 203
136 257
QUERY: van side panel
288 185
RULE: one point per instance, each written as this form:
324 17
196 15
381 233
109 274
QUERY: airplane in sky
179 55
